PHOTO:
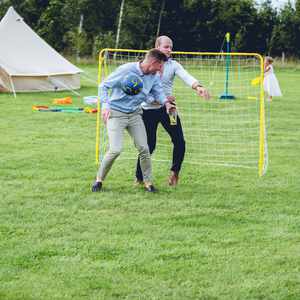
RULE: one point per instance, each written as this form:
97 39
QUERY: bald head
163 39
164 44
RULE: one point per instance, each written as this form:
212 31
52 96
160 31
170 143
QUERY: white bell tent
28 63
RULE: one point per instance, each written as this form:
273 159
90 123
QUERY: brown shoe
173 179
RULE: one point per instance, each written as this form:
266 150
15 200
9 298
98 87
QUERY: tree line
85 26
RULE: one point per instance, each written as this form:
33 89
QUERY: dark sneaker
97 186
173 179
150 188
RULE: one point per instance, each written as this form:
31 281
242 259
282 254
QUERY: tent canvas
28 63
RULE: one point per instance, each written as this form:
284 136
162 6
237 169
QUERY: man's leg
115 130
137 131
176 134
151 120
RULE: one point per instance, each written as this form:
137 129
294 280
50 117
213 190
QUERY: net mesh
225 130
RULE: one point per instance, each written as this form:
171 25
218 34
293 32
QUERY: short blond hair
156 54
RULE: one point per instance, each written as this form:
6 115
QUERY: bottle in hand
173 117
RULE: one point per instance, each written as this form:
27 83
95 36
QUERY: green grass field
223 233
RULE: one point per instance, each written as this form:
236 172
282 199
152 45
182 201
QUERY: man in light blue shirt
121 111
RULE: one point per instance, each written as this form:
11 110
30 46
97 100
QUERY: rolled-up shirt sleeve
157 92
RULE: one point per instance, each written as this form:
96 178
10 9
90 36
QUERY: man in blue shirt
121 111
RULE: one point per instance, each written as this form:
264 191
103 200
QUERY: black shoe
150 188
97 186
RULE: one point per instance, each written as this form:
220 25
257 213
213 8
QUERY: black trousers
151 118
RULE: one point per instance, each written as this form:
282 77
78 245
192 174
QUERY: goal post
227 132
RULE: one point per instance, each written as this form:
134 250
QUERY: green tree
100 19
283 37
194 25
267 19
54 23
297 26
139 24
256 29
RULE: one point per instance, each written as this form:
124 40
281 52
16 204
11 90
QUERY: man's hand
202 92
171 99
170 107
105 115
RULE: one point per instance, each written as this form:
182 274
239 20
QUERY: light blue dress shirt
118 100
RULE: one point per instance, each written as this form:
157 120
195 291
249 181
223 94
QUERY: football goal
227 130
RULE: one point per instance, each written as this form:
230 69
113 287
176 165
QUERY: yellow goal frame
103 72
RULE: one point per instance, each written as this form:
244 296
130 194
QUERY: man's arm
201 91
191 81
159 95
112 80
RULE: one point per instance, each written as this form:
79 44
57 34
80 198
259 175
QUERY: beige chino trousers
117 123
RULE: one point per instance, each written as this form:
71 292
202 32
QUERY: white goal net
228 130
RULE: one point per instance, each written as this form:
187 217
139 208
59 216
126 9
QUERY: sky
279 3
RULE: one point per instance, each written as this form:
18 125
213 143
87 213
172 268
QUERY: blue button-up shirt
118 100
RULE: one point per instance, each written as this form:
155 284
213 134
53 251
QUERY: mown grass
223 233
